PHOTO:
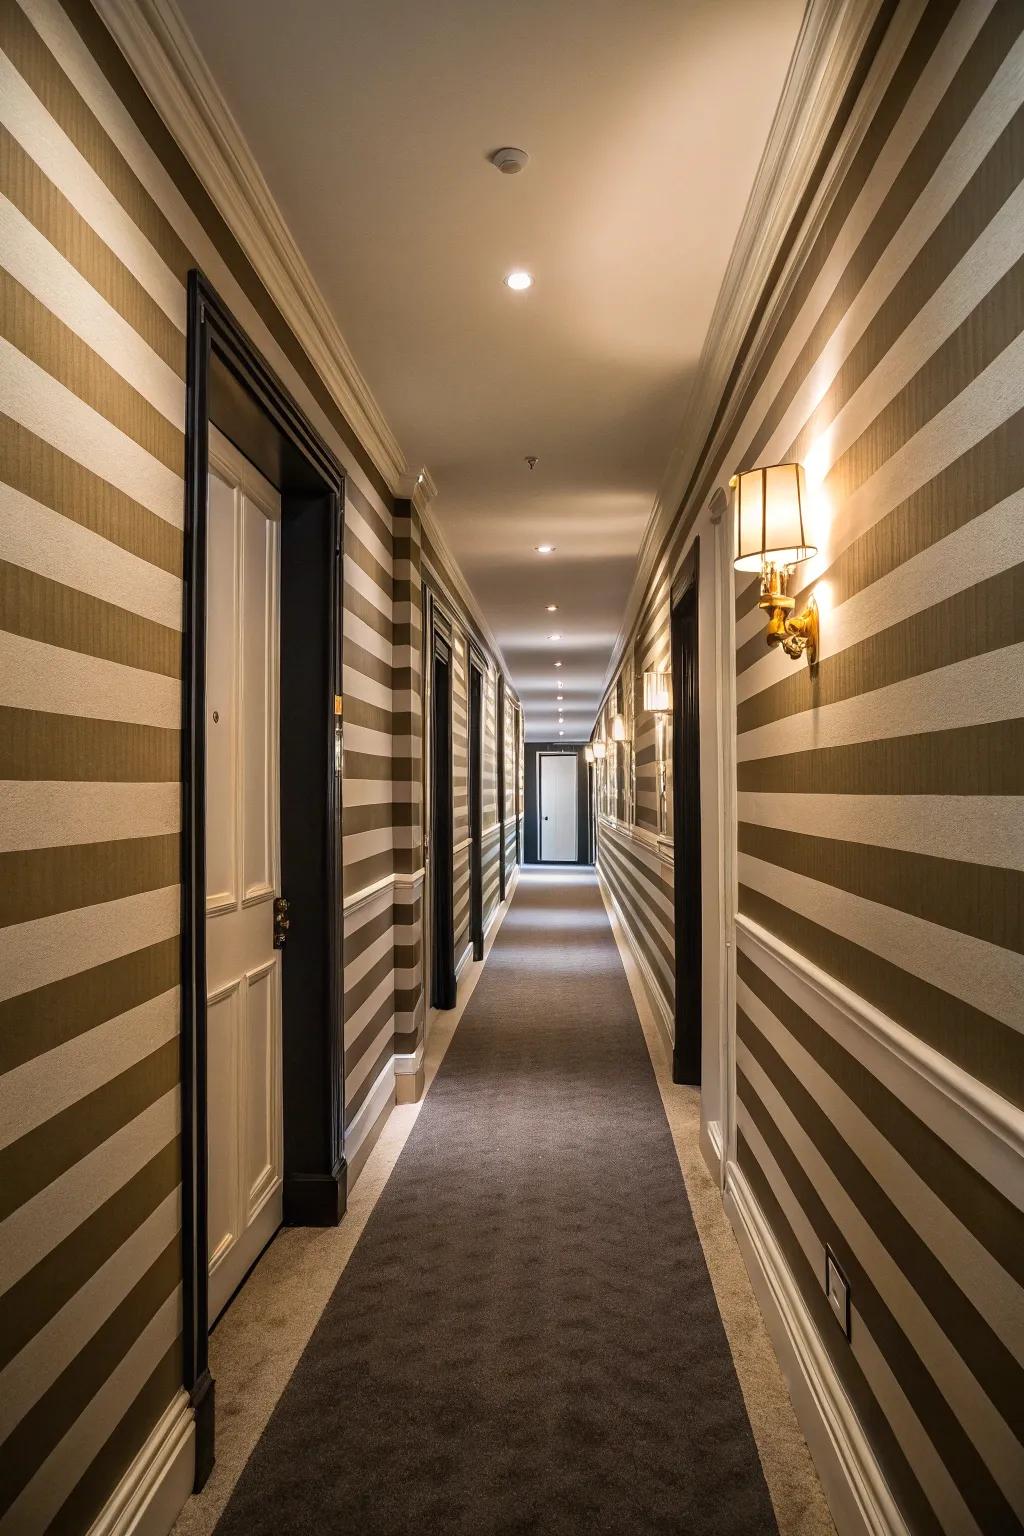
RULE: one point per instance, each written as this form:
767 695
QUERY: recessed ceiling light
558 663
561 733
554 637
552 607
519 280
544 549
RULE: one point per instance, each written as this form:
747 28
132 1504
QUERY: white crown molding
828 49
154 38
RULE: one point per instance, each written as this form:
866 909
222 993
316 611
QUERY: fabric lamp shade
600 749
658 692
588 754
771 508
618 728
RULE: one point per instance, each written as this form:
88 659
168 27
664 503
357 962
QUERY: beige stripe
38 477
980 691
38 1226
34 675
48 814
981 829
54 413
993 1440
936 1482
67 169
36 1368
41 1498
34 954
33 330
57 549
983 975
48 1084
60 289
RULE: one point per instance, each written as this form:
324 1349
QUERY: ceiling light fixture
544 549
552 607
558 663
555 636
519 281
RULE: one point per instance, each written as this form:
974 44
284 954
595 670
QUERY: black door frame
227 375
686 813
443 979
476 807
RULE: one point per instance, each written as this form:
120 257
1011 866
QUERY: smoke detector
510 161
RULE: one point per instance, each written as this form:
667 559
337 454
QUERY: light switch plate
837 1289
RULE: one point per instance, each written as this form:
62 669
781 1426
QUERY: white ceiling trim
162 52
829 47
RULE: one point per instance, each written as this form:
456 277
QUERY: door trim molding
214 332
541 755
686 829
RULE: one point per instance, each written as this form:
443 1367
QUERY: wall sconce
658 702
619 728
588 754
600 749
770 538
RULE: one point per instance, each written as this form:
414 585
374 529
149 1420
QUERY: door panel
245 1131
557 795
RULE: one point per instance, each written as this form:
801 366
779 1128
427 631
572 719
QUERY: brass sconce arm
797 634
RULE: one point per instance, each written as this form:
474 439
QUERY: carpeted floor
525 1339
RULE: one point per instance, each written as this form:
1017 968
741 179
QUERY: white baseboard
363 1121
854 1486
658 1002
467 955
153 1491
711 1147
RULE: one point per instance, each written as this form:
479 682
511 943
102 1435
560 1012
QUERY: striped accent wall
102 220
880 824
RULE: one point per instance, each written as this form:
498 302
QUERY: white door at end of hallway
556 807
243 969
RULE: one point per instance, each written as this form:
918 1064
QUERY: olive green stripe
974 622
387 1052
39 882
996 1222
36 745
47 1017
368 871
40 471
654 935
367 765
983 1046
358 940
361 608
405 1044
42 1155
46 207
973 77
357 552
105 1471
48 1421
38 608
988 189
374 716
970 760
34 331
357 994
1000 1376
990 328
370 515
39 1295
983 900
979 479
360 660
370 818
884 1441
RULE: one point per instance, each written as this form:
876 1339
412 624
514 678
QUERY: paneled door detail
556 792
244 1109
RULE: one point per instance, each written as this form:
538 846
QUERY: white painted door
243 970
557 807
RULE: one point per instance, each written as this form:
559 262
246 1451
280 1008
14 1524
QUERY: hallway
526 1338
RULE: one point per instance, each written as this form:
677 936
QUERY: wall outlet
837 1289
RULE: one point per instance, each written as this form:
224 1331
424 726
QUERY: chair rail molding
829 49
156 41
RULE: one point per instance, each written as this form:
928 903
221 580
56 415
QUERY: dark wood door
442 972
686 1052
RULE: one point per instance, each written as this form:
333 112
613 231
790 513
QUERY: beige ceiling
372 121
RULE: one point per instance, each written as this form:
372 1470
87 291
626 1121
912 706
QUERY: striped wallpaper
880 825
101 221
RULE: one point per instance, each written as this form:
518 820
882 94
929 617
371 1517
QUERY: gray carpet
525 1338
